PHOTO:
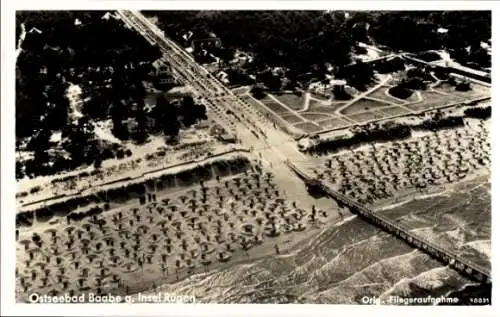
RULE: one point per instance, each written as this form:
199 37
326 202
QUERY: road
243 119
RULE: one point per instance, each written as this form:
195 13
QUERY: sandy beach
172 235
392 170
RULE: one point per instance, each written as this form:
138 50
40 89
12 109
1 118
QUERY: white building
223 77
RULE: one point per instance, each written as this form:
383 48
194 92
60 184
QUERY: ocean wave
482 246
347 261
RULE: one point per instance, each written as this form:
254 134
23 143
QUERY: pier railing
450 258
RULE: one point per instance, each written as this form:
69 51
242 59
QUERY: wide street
218 98
252 128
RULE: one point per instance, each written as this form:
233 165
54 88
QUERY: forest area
109 63
304 42
414 31
290 39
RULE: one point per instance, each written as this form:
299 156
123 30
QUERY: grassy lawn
477 91
380 93
445 87
365 116
274 106
431 100
291 118
314 116
333 124
308 127
251 101
393 111
318 96
291 100
363 105
316 106
264 108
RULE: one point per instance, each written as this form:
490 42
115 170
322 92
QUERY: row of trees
233 165
291 39
395 131
364 134
480 113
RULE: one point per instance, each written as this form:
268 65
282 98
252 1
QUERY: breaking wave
347 262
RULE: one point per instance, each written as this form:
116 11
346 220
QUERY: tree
79 135
226 54
463 86
359 75
414 83
19 170
40 144
390 65
167 115
119 129
340 93
97 162
400 92
58 55
258 91
140 135
191 112
120 154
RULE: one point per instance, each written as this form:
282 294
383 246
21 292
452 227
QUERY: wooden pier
447 257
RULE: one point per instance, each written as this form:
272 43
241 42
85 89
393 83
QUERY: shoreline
243 259
400 200
239 258
135 278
